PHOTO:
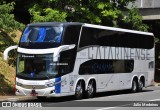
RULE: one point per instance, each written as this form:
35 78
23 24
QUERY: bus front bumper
47 92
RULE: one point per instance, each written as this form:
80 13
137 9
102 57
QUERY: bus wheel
90 90
41 98
134 86
140 86
79 90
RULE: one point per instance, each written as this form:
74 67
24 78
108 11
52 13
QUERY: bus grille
34 86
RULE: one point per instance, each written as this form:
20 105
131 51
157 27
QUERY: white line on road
113 107
107 108
155 100
12 99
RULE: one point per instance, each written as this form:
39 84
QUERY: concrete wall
147 3
149 9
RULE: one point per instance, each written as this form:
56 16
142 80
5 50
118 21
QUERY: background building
149 9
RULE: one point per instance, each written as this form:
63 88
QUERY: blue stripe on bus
58 86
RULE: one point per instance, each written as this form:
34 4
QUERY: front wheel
79 90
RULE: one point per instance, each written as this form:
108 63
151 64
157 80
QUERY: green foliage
8 26
134 20
7 20
110 13
46 15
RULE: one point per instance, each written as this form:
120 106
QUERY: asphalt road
149 99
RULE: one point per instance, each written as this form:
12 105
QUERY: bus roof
88 25
54 23
117 29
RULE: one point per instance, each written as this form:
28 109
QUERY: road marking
106 108
113 107
12 99
121 94
124 105
155 100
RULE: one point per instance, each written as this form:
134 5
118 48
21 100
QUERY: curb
15 98
157 84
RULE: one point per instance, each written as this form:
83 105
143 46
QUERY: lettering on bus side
118 53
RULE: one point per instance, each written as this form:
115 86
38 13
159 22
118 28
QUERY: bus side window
93 36
67 60
71 35
129 65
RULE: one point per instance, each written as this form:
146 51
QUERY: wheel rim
140 85
90 88
79 90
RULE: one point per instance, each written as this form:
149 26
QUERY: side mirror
7 51
60 49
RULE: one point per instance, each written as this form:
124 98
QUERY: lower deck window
98 66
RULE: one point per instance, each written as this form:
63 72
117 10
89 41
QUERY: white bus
60 59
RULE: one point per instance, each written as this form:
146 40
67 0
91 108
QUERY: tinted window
67 58
71 35
41 37
93 36
98 66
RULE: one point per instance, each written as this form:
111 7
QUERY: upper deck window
41 37
113 38
42 34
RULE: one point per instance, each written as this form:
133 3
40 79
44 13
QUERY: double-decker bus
57 59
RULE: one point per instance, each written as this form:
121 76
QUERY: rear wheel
90 89
134 86
140 86
79 90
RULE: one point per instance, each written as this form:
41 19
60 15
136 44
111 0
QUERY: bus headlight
18 84
50 84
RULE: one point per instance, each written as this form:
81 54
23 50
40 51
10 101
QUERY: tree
8 25
46 15
110 13
7 20
133 20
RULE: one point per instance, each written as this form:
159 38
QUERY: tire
41 98
140 86
79 91
134 86
90 90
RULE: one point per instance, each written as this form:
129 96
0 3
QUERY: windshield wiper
47 76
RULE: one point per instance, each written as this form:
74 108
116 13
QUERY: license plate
33 93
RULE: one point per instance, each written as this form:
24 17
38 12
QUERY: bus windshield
35 37
36 66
